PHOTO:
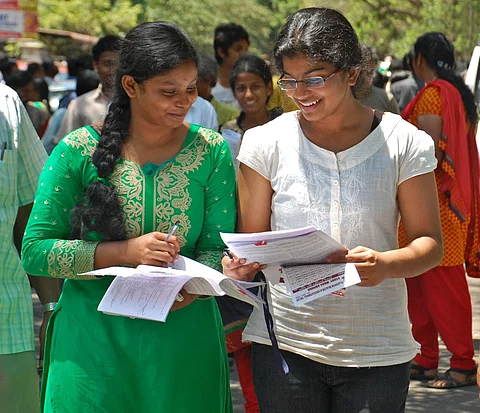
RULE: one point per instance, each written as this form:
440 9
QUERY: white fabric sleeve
256 152
418 155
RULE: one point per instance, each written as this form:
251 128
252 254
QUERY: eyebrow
307 72
173 83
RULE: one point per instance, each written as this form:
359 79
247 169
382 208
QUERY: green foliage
392 26
389 25
199 19
93 17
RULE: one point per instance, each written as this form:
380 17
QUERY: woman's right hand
237 269
152 249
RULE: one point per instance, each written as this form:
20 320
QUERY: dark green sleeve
46 249
219 207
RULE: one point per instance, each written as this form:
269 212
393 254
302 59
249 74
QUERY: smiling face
251 92
164 100
317 104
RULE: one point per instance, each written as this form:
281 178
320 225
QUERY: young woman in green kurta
108 198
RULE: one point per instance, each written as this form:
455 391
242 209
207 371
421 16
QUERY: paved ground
420 399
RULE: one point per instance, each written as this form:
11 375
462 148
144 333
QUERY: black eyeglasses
314 82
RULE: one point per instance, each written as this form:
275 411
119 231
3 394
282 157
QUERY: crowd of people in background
324 134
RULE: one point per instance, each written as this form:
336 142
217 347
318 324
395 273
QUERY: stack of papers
149 292
297 257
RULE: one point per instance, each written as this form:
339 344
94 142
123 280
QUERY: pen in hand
172 230
228 254
4 148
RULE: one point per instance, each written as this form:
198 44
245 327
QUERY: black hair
439 54
42 88
250 63
107 43
407 60
207 68
32 68
148 50
87 80
18 79
322 35
369 54
7 66
77 64
225 36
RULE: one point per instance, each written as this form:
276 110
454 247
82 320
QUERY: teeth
311 104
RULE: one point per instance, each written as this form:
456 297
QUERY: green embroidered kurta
101 363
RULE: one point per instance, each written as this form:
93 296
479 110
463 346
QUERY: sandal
417 372
449 382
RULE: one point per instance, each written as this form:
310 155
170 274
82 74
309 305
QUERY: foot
418 372
454 378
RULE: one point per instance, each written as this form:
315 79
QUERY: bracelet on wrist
47 307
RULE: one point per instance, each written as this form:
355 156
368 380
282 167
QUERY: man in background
21 159
230 43
207 79
22 82
377 98
92 107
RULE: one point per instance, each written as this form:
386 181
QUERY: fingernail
263 266
243 261
255 265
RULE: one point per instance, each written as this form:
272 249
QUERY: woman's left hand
369 264
187 299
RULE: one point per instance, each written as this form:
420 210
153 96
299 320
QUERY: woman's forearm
419 256
109 254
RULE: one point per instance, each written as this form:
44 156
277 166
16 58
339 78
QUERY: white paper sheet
142 297
149 291
306 283
312 248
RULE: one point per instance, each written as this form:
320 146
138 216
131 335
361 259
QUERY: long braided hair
439 54
148 50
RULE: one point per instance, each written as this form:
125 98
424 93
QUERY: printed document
297 257
149 292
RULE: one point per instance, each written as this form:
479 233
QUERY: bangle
47 307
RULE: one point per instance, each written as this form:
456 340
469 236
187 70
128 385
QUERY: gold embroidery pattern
82 139
211 258
129 182
172 184
66 257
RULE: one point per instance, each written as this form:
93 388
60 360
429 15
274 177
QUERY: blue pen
172 230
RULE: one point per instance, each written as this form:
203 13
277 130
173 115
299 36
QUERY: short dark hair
7 66
225 36
87 80
396 65
18 79
34 67
322 35
42 88
207 68
107 43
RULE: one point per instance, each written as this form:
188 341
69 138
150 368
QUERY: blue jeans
319 388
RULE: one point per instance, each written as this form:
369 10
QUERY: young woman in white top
350 172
